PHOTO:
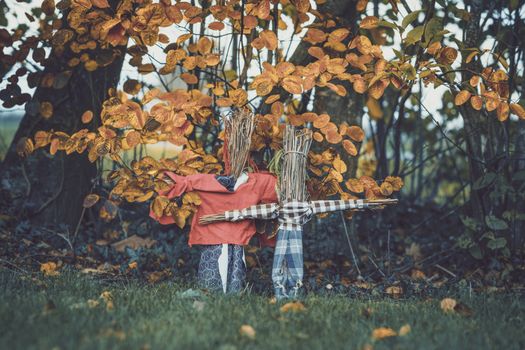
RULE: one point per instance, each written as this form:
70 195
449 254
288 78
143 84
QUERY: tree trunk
49 190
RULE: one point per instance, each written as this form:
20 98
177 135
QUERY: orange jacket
215 198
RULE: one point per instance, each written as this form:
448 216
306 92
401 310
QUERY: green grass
160 317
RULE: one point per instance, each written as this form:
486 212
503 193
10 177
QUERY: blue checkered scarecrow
292 212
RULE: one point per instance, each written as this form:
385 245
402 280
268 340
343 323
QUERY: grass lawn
67 312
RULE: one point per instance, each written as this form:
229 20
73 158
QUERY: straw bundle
239 127
292 181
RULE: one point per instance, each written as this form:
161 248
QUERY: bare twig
350 244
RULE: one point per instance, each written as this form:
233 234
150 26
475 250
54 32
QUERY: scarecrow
292 212
222 263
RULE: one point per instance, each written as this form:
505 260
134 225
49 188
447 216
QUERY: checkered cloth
293 215
287 269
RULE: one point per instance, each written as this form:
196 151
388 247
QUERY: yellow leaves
192 198
355 186
294 306
462 97
49 269
394 291
46 110
518 110
395 181
247 331
159 204
386 189
350 148
107 297
404 330
448 305
374 109
338 35
339 165
382 333
363 44
369 22
204 45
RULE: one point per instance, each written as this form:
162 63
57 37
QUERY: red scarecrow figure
222 263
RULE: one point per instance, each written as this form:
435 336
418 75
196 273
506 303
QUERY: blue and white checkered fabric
287 270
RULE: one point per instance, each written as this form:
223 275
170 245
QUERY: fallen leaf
294 306
448 304
92 303
133 242
404 330
247 331
382 333
394 291
49 268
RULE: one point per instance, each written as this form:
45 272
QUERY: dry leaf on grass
404 330
247 331
382 333
133 242
49 268
450 305
294 306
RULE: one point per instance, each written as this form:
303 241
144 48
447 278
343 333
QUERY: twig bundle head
239 127
292 181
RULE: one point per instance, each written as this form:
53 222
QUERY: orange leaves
476 102
247 331
49 269
321 121
266 39
189 78
518 110
338 35
294 306
355 186
369 22
292 84
315 36
356 133
204 45
87 117
350 148
382 333
462 97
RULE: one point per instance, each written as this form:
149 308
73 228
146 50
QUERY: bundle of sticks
292 181
240 125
